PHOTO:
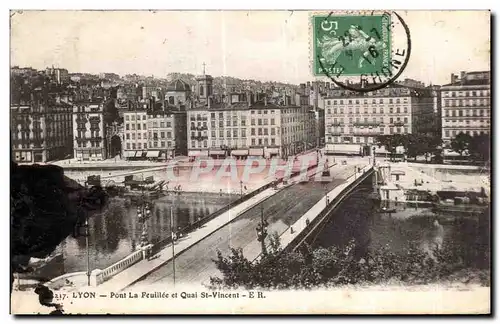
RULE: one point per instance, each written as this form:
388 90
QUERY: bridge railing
317 220
103 275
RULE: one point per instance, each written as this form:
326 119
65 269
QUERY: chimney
248 98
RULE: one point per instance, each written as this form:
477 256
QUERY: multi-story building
178 93
466 105
135 133
89 130
58 75
155 131
166 134
353 120
41 128
248 128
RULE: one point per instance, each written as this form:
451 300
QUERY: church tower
204 86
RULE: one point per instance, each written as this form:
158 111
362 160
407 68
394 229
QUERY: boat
461 202
388 210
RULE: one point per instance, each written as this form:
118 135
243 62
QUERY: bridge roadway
195 266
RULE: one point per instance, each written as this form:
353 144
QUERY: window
253 131
162 134
126 126
273 141
252 121
243 132
266 131
139 136
273 131
127 136
193 144
253 141
228 133
127 117
133 136
133 146
212 115
406 120
221 133
381 110
235 133
213 133
169 124
228 122
243 122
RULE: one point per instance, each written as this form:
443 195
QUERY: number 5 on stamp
351 45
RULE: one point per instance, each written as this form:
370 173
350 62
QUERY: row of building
182 119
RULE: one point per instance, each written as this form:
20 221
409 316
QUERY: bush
335 266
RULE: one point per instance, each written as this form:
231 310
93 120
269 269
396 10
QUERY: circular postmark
361 51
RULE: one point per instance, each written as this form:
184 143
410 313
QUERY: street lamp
143 213
241 188
262 230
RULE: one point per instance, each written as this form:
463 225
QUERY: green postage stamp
351 45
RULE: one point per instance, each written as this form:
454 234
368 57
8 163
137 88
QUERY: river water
359 218
116 232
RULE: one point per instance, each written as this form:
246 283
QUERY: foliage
479 147
461 143
336 266
110 112
390 142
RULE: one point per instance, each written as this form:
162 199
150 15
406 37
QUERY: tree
390 142
461 143
45 208
334 266
110 112
479 147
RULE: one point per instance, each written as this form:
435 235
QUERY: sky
260 45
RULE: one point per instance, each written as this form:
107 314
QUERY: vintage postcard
250 162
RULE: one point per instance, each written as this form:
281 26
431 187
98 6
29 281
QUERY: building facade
58 75
41 129
89 131
353 120
246 129
135 134
466 105
154 134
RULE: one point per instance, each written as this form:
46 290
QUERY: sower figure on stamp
357 40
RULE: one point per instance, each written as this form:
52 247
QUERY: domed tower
178 93
204 88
